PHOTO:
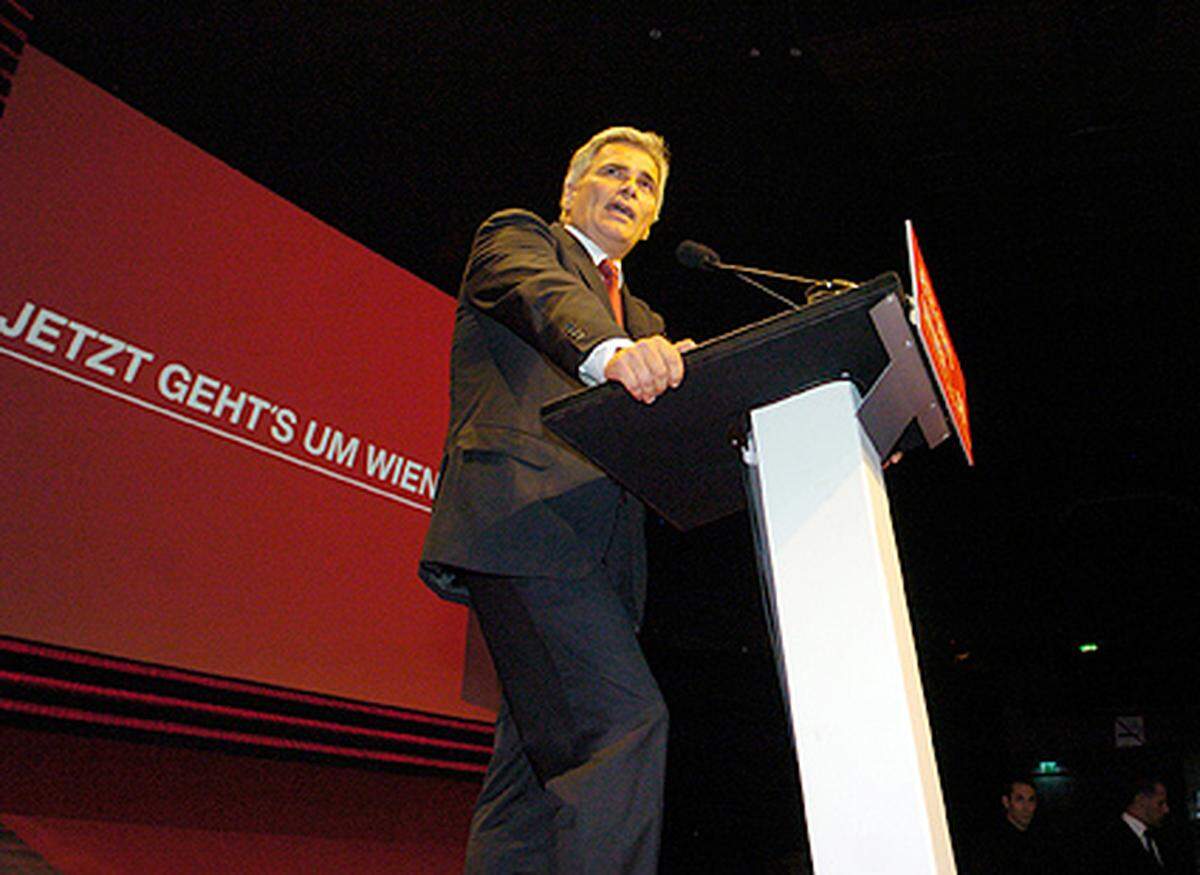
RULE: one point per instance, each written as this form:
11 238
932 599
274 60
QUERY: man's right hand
649 367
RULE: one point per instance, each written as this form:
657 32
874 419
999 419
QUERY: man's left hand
649 367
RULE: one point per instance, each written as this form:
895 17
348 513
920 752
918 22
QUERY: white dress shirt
1140 829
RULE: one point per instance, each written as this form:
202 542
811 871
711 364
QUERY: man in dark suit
548 551
1015 846
1129 845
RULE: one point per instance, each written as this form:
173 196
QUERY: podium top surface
681 455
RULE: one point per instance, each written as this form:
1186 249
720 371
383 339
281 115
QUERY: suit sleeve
516 276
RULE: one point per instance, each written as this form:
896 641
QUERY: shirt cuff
592 369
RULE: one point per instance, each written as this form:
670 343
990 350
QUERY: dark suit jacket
1120 852
1006 850
514 499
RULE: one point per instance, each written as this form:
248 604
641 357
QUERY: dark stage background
1046 152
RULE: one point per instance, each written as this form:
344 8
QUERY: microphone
698 256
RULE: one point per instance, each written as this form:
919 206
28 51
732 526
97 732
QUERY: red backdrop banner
222 419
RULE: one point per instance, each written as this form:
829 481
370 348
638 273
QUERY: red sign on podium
935 338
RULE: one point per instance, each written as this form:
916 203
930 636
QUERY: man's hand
649 367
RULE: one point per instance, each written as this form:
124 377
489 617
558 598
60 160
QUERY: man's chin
620 237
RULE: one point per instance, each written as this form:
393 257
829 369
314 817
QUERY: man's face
1020 805
613 203
1151 808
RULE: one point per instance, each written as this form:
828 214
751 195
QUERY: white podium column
872 799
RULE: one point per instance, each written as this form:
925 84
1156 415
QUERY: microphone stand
827 287
774 294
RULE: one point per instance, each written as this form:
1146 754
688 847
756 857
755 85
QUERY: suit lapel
583 265
580 261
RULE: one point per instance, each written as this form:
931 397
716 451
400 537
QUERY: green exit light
1089 647
1048 767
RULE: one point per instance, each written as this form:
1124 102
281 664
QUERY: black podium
792 416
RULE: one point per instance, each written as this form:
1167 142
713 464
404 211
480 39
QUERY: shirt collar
1136 825
597 254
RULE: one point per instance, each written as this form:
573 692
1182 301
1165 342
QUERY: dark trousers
575 781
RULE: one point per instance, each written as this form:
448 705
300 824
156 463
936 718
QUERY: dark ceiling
1047 152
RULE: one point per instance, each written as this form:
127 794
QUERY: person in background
1132 842
1015 846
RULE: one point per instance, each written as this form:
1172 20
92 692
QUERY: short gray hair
649 142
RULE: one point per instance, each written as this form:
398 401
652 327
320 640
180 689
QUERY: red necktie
612 281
